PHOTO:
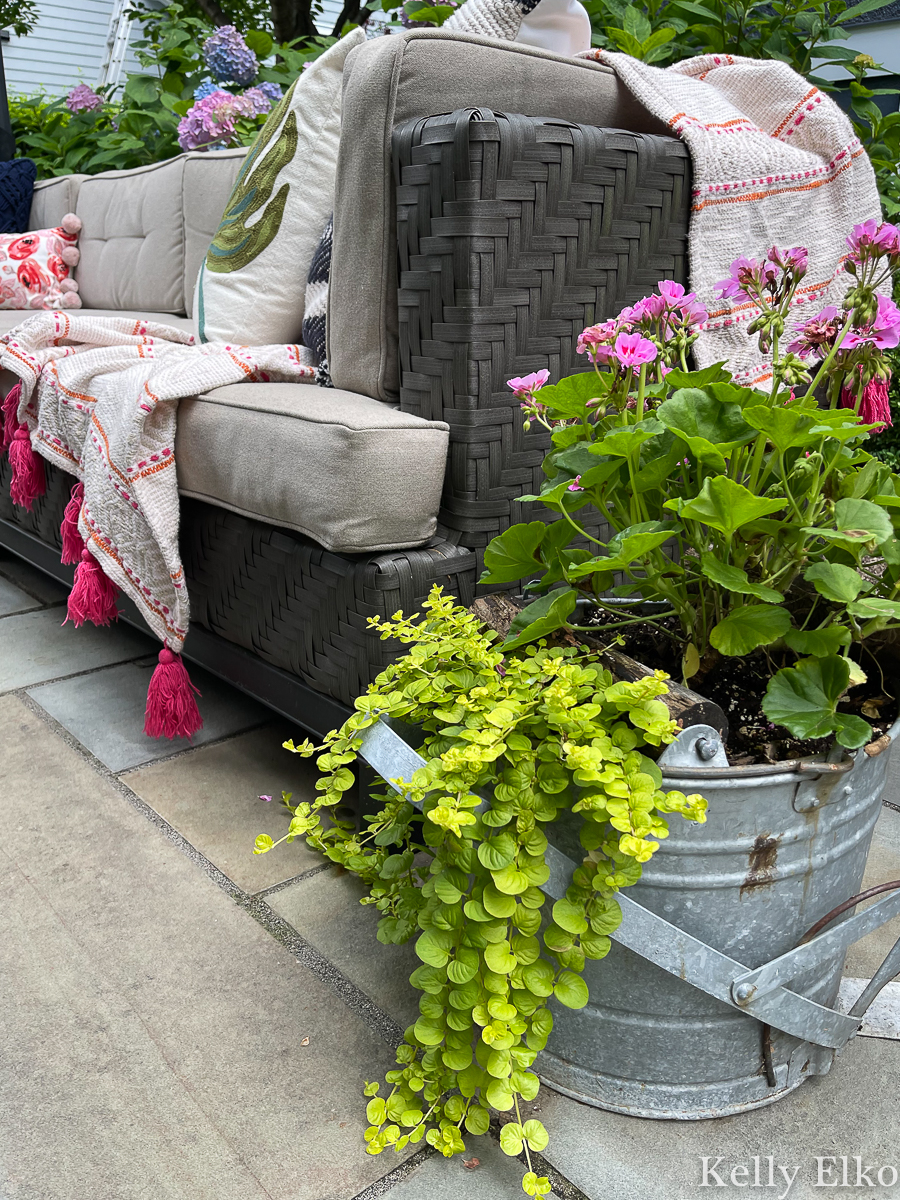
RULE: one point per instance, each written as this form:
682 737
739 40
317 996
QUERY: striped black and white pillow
315 315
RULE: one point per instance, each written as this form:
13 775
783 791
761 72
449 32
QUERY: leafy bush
141 125
784 528
512 744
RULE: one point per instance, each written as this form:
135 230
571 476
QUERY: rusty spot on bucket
762 862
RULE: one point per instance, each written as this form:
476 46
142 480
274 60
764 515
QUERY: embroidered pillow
251 285
16 189
36 267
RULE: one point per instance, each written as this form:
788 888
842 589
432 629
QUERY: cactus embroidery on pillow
237 243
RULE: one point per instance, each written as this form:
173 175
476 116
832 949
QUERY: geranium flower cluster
847 345
83 99
659 327
229 58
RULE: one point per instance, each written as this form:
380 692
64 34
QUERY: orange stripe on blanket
109 462
780 128
780 191
161 466
147 603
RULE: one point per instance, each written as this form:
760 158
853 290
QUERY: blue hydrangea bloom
206 88
229 58
273 90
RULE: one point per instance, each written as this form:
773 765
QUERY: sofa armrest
514 234
53 199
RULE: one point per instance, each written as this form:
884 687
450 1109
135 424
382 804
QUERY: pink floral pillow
36 267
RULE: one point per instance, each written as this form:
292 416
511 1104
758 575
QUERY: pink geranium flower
873 240
528 384
632 350
817 335
884 332
746 273
794 261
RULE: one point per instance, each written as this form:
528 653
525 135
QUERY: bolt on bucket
718 993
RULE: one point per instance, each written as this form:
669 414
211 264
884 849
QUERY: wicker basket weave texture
515 233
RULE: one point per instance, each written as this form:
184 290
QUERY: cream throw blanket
775 163
100 398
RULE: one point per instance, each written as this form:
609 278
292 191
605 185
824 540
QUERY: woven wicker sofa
472 243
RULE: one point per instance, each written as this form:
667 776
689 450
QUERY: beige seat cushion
419 74
350 472
11 317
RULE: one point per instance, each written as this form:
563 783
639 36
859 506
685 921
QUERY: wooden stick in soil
688 708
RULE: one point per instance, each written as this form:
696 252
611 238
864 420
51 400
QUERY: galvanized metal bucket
690 1015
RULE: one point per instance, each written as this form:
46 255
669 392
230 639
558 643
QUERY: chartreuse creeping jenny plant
536 733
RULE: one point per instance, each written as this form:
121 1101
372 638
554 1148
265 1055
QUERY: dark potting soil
738 686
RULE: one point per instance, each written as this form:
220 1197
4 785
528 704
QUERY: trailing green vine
511 744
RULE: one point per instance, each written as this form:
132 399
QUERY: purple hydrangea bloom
258 99
273 90
229 58
206 88
83 99
211 120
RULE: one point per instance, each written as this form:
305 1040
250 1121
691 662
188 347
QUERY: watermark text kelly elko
825 1171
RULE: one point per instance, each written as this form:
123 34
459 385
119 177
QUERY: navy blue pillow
16 187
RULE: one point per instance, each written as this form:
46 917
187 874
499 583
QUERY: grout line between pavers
306 954
382 1186
286 883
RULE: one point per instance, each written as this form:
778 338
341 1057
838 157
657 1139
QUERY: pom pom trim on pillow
36 267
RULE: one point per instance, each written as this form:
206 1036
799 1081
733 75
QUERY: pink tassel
72 541
171 708
93 595
10 421
875 406
28 479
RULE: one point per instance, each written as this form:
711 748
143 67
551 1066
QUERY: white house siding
66 47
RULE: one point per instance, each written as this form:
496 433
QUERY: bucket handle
664 944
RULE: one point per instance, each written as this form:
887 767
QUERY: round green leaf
461 972
525 1083
512 1139
569 916
429 1032
500 958
819 643
571 990
746 628
478 1120
430 951
835 581
511 882
457 1060
538 978
498 1064
498 1095
497 853
496 903
536 1135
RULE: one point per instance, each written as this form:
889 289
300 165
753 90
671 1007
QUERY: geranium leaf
750 626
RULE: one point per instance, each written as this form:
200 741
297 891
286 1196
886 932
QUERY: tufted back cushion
146 230
132 243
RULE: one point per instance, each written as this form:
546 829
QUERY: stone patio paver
105 712
31 580
326 911
14 600
36 647
150 1044
211 796
852 1110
